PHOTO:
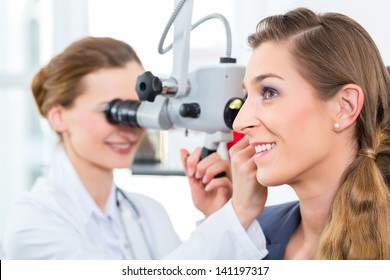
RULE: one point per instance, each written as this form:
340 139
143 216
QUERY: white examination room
175 112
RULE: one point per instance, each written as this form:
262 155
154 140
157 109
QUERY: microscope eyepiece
122 112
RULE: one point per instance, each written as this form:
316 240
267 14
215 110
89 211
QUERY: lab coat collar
69 183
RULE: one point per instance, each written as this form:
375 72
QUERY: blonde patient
316 117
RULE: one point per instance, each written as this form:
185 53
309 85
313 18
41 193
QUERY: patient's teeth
264 147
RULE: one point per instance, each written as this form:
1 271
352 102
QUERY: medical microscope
206 100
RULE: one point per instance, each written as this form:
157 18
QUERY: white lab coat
58 219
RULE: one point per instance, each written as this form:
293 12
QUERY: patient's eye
269 93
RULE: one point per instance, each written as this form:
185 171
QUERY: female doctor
76 211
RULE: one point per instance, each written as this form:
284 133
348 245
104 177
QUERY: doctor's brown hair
331 50
60 82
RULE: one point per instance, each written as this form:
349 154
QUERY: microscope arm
181 46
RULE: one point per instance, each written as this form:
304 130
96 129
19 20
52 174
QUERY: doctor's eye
269 93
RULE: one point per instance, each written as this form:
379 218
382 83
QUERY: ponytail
359 218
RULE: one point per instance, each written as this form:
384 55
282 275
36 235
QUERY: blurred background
32 31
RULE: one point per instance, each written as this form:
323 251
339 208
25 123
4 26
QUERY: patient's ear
350 101
55 116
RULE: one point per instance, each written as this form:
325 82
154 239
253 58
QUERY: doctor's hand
209 194
249 196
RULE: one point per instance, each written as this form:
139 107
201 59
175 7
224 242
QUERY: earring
336 125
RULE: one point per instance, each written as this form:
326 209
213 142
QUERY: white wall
372 15
30 34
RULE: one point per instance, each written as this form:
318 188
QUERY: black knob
189 110
148 86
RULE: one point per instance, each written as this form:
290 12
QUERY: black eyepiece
122 112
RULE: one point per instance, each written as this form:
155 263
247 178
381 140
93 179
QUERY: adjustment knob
189 110
148 86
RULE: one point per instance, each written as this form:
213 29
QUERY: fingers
219 183
208 192
190 160
248 195
241 150
183 156
244 142
211 166
207 168
209 172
